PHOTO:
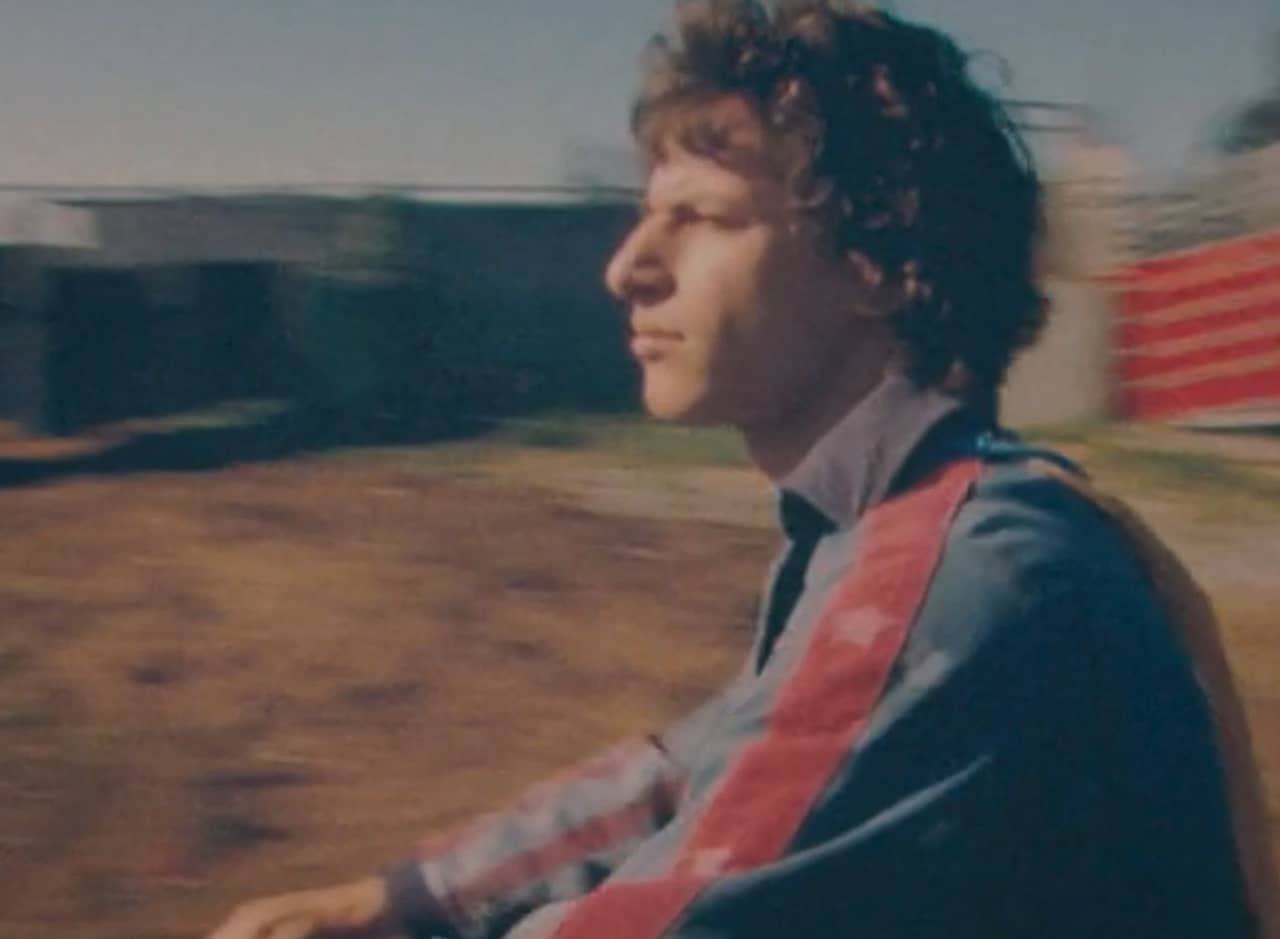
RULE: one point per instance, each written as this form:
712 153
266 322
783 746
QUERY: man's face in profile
735 310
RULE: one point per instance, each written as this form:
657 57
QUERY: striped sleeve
557 841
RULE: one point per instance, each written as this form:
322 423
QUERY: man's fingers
293 928
345 910
255 920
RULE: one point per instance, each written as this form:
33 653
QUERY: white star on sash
710 862
861 626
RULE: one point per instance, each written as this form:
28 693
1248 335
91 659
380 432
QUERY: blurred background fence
1196 332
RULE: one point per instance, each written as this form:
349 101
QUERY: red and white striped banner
1199 330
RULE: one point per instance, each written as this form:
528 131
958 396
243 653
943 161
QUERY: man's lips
650 344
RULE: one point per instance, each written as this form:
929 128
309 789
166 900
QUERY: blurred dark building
382 308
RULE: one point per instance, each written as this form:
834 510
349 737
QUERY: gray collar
854 465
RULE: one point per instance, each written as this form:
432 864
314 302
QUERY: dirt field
261 677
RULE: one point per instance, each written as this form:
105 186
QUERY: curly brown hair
885 138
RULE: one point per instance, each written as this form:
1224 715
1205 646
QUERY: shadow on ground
195 449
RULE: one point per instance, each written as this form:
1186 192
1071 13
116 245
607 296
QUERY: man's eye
683 215
689 215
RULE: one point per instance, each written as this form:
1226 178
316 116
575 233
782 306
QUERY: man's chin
680 411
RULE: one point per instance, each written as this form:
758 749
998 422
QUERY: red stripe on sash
822 709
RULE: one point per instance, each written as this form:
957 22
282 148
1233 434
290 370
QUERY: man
966 712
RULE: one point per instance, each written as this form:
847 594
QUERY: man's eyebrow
733 202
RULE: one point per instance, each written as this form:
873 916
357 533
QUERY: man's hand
355 910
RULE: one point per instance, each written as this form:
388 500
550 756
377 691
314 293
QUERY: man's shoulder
1031 528
1034 575
1032 506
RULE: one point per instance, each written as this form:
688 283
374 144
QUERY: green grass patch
626 438
1067 433
1112 452
1170 468
1183 471
590 439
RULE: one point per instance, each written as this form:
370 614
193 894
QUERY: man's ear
879 297
958 380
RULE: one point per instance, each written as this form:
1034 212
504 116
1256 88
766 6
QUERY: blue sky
493 91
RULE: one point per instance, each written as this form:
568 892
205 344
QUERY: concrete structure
1066 377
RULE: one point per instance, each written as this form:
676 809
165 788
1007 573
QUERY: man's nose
638 272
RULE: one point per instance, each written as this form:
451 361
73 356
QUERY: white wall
1066 376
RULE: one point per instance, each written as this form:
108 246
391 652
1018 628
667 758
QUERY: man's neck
778 447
